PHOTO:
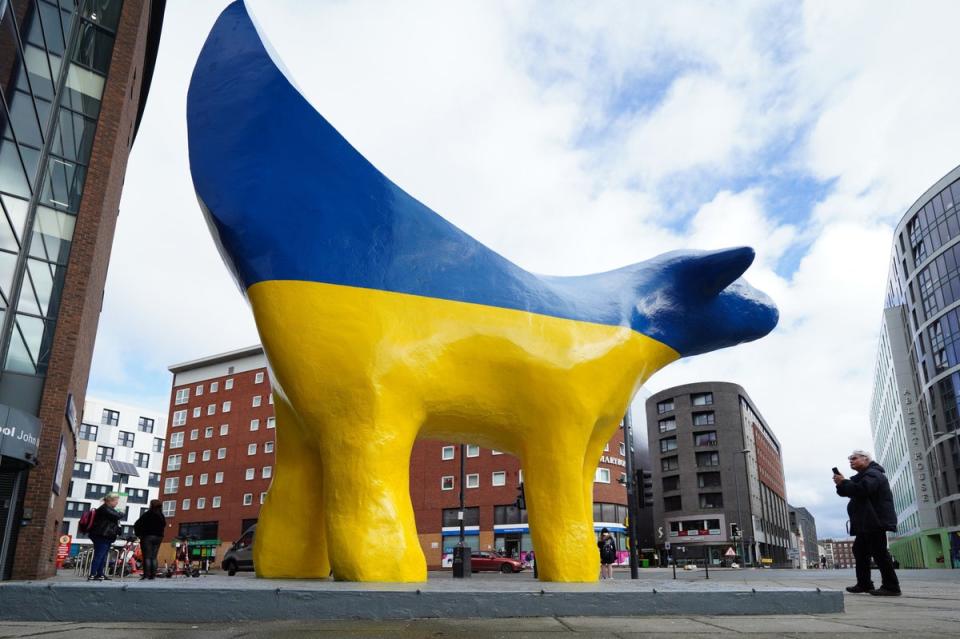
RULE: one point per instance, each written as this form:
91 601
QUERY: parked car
240 554
481 560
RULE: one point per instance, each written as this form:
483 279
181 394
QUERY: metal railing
118 560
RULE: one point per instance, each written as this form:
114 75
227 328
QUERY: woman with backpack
150 528
608 554
103 532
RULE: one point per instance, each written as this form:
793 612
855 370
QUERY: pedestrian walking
150 528
608 553
871 515
103 532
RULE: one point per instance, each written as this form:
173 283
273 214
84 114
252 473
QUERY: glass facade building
58 88
915 414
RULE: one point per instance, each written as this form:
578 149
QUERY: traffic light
644 489
521 502
735 531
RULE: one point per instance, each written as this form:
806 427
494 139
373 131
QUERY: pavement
930 607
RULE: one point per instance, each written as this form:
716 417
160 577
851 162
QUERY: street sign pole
632 512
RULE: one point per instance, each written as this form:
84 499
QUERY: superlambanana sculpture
382 323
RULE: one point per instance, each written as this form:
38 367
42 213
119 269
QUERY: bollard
461 562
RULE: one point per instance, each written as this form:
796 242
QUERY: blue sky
579 137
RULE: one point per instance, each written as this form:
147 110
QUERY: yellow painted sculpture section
370 371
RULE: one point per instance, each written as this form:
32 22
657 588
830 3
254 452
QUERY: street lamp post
632 512
463 476
736 479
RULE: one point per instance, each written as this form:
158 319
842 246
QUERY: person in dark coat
103 532
871 516
150 528
608 554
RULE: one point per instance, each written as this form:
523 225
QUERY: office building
718 477
74 78
114 431
803 527
915 407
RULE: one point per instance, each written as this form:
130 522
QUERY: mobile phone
835 471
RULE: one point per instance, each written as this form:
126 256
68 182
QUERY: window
97 491
75 509
169 507
667 444
708 480
89 432
254 424
137 495
473 451
82 470
154 480
201 503
602 476
708 459
703 419
711 500
171 485
671 483
104 453
252 449
176 439
191 457
141 460
188 480
145 425
270 400
268 447
271 422
267 472
185 504
206 455
701 399
125 439
198 390
258 378
665 406
623 449
670 463
197 411
221 453
705 438
224 429
215 502
447 452
226 407
473 480
667 425
256 400
194 434
251 473
263 497
183 395
214 386
211 409
228 384
508 514
218 478
606 447
208 432
179 418
446 482
451 517
158 444
672 503
498 478
495 452
202 480
173 462
247 498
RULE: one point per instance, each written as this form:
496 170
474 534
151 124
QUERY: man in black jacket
871 516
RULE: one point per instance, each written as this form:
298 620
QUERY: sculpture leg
561 520
291 538
371 528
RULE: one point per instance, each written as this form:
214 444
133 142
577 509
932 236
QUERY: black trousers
149 546
874 544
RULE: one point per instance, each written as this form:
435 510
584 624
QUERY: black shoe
91 578
883 591
860 589
104 578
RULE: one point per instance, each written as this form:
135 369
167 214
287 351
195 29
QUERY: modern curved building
915 409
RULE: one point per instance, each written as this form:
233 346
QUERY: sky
579 137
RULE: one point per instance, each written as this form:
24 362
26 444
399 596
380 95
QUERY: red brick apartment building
219 462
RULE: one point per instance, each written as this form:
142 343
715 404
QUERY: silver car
240 555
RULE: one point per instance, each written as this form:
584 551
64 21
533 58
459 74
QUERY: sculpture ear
708 274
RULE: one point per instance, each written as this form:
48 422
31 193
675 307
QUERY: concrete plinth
216 598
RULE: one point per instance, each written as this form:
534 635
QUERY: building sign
63 549
913 427
71 413
19 434
707 529
615 461
61 462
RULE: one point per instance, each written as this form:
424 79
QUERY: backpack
86 521
608 552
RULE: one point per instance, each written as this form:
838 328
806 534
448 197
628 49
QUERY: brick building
842 552
74 78
219 461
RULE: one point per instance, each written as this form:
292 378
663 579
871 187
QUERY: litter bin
461 561
644 563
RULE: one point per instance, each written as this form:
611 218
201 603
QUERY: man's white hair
864 453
